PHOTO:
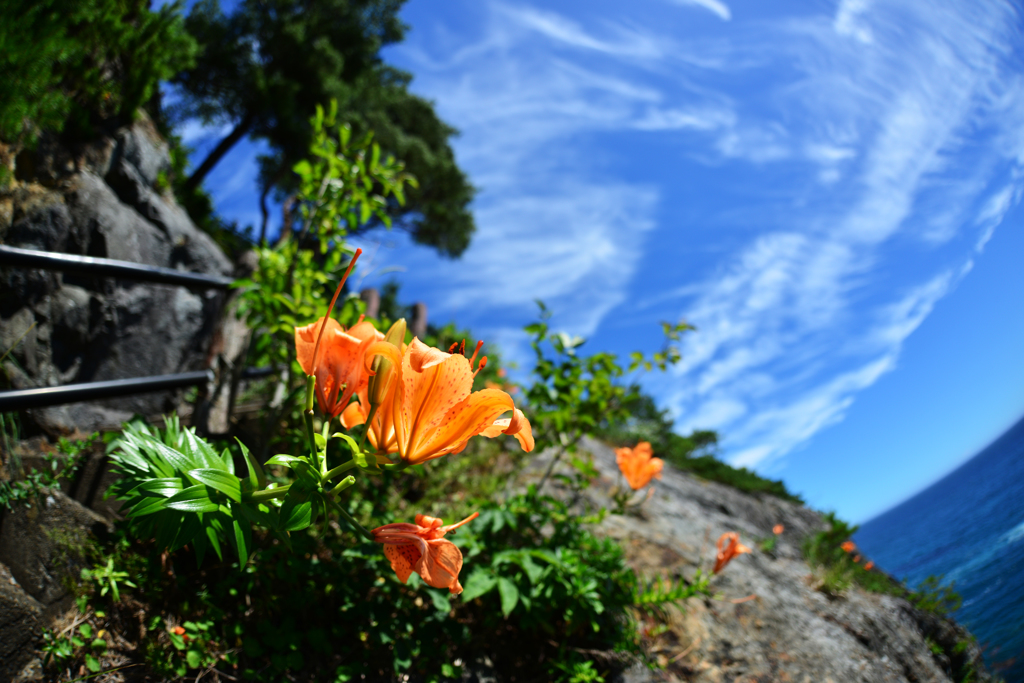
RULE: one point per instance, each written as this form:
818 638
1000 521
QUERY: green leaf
204 451
177 460
193 499
214 537
228 460
241 540
164 486
256 476
147 506
285 460
480 582
85 630
303 169
194 659
440 600
92 663
223 481
509 595
530 567
296 512
367 462
187 528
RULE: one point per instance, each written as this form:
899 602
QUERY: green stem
310 434
369 421
396 467
355 525
340 469
268 494
310 385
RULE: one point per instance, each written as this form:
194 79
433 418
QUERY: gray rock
20 626
116 229
192 249
142 147
788 630
93 329
42 544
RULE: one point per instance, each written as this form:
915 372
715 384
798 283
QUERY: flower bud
383 367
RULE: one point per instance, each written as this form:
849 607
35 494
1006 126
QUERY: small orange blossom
431 409
422 548
848 546
869 565
638 465
729 546
778 529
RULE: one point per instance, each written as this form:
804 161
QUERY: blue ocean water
969 526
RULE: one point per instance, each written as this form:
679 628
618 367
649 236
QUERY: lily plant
415 402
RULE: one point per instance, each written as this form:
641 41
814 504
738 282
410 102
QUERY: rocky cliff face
789 630
102 201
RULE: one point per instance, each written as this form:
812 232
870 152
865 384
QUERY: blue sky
829 191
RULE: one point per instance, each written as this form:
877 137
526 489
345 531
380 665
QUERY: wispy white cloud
720 9
624 42
778 325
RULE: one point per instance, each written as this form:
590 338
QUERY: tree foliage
265 66
75 67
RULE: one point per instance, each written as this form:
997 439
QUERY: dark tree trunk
241 129
267 187
287 218
265 212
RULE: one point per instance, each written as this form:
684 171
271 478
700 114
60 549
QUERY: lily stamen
334 300
479 345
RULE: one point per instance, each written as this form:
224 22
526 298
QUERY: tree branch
240 130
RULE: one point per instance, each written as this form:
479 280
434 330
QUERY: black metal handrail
106 267
23 399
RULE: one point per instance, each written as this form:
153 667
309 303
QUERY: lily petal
517 426
469 417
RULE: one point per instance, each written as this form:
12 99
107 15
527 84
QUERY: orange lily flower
869 565
729 546
431 409
856 558
778 529
422 548
848 546
340 372
638 465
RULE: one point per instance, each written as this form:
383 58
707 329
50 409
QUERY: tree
81 67
266 65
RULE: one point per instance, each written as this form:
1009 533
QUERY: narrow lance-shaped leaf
256 476
193 499
242 534
224 482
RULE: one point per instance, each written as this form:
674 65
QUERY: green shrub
72 66
59 466
839 570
